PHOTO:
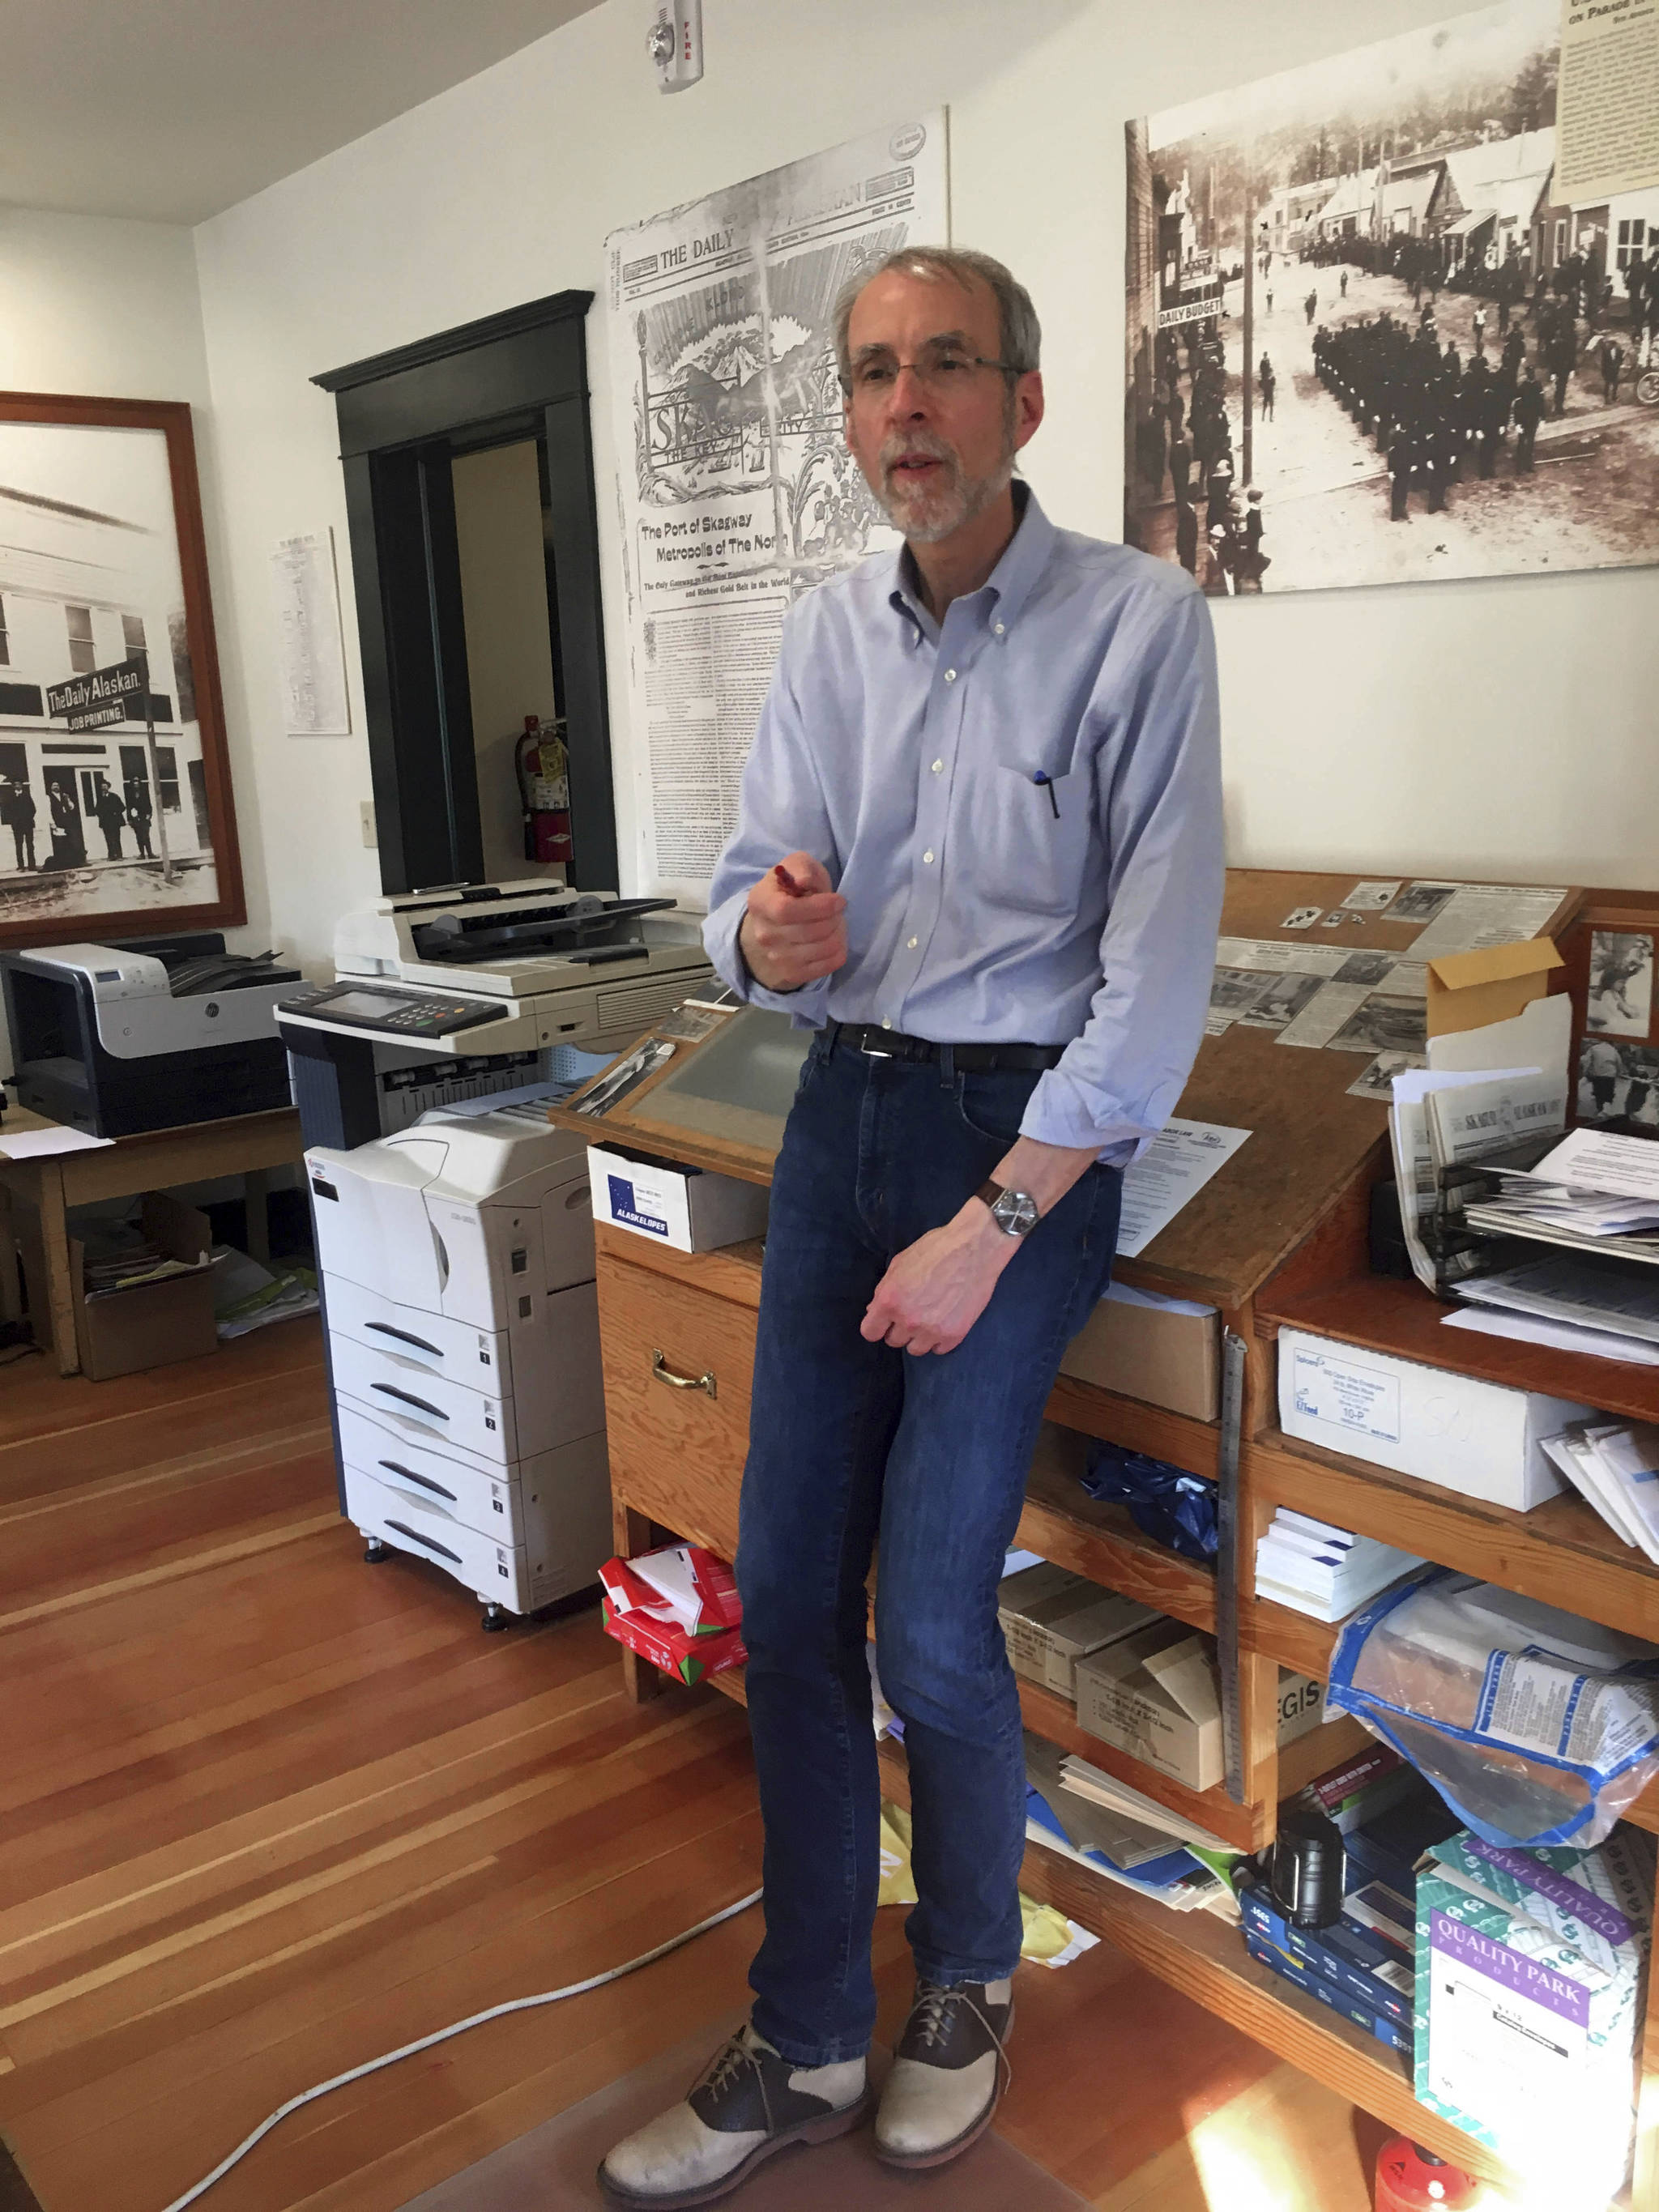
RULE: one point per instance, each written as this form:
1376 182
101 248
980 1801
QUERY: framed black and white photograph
1377 334
1618 1087
1619 1002
115 801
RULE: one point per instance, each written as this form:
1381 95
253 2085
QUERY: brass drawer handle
660 1370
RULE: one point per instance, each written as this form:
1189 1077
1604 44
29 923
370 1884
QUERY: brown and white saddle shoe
950 2070
750 2103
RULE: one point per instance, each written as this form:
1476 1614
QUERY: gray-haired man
989 765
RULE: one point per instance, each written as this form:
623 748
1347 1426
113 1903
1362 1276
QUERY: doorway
475 555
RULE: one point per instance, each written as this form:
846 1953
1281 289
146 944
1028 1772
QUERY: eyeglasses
937 369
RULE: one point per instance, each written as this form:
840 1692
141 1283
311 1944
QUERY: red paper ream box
689 1658
681 1585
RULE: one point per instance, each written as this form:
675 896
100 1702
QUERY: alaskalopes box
1531 1967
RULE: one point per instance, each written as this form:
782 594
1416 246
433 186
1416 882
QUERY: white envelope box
686 1207
516 1576
1481 1439
556 1504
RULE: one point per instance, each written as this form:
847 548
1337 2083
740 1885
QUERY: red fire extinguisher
1412 2180
544 769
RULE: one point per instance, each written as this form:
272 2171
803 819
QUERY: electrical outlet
366 815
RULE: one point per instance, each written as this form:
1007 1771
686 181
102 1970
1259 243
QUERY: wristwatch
1014 1211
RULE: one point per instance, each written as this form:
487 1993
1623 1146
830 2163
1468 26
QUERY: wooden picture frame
125 827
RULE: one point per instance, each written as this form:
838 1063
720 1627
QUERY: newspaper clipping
1607 114
742 495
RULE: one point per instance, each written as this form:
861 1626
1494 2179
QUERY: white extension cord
460 2027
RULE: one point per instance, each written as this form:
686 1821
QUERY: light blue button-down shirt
1022 808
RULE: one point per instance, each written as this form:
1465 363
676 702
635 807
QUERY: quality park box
1052 1618
1154 1694
1479 1438
1530 1967
692 1210
1164 1350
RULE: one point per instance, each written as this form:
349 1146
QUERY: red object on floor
1413 2180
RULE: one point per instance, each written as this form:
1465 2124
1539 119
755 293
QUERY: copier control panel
397 1013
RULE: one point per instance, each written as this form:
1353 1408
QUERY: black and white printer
457 1260
114 1039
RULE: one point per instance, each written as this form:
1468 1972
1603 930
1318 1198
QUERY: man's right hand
786 940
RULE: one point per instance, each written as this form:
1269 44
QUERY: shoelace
729 2065
931 2013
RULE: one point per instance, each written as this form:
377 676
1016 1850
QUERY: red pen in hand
795 890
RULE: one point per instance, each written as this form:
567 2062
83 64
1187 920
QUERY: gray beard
926 518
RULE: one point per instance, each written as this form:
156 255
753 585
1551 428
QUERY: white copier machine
457 1265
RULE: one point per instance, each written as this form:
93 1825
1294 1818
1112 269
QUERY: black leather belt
973 1058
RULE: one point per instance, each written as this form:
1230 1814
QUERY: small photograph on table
1621 1000
1420 902
1234 990
1282 1001
1618 1087
1373 967
1377 1081
1384 1025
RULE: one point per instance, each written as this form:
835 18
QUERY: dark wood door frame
521 373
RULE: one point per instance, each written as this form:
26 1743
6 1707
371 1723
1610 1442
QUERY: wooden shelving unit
1278 1239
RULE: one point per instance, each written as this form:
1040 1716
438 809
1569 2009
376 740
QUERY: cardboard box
1052 1619
689 1208
675 1650
1166 1354
149 1324
1478 1438
1529 1978
1467 990
1155 1695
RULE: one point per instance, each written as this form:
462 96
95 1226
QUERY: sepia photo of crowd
1356 306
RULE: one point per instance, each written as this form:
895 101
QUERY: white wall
1503 728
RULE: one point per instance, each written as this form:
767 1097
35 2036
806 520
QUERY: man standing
1310 305
1529 412
1269 384
1187 535
112 817
140 814
1612 368
979 854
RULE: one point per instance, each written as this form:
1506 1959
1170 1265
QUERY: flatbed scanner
114 1039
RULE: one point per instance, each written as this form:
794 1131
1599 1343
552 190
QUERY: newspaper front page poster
736 490
1607 101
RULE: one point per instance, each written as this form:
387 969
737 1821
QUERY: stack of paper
1443 1124
1614 1466
1074 1807
1323 1571
1595 1192
1591 1304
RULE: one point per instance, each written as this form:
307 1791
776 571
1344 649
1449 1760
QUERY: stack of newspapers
1450 1131
1614 1466
1075 1807
1593 1192
1324 1572
1571 1303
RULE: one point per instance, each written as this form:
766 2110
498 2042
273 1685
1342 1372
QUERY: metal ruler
1226 1559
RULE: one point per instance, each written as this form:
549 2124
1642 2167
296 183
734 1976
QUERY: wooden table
248 1145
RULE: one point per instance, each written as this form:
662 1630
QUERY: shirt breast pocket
1032 833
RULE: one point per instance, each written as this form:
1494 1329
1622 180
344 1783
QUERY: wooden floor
266 1811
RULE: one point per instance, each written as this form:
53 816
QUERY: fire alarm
675 43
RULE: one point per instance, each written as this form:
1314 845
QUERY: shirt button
912 945
998 627
950 675
937 765
885 1023
927 859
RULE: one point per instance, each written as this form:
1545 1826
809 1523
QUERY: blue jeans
852 1442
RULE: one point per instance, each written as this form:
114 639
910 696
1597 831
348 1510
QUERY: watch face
1016 1212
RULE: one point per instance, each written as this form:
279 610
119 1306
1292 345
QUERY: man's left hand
936 1288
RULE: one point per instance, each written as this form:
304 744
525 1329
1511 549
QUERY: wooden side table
42 1191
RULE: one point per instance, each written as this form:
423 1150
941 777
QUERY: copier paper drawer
475 1357
516 1576
471 1420
556 1503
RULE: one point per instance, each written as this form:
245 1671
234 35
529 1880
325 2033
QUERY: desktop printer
114 1039
445 995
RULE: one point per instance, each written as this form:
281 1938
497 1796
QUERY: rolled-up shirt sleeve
1158 807
781 810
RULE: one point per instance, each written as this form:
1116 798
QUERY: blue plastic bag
1165 1502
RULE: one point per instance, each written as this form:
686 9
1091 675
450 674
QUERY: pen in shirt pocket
1044 781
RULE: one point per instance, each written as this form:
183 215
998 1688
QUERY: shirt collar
1009 585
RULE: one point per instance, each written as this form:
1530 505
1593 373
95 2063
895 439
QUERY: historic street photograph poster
1371 339
736 493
